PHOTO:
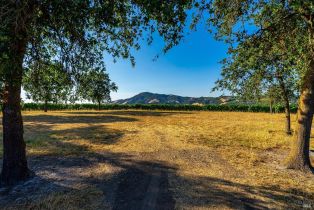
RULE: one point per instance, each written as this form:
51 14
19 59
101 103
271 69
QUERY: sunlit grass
214 129
247 149
86 199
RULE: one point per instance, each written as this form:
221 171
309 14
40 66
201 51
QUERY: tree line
175 107
271 50
48 82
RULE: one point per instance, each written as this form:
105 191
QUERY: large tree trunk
285 97
299 157
14 167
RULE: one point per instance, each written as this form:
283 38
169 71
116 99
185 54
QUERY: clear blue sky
189 69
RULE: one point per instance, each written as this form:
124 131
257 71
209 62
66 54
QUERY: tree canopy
96 86
47 82
75 34
281 27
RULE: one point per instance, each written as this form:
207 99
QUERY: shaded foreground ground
158 160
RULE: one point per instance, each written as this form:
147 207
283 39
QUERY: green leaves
94 85
78 33
172 107
47 82
268 40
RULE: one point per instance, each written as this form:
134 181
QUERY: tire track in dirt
144 189
146 186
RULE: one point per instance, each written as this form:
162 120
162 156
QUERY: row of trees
166 107
271 47
49 82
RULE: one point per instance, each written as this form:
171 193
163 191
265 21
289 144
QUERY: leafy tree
47 82
76 33
265 24
96 86
254 76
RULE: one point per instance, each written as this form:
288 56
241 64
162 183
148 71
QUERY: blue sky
189 69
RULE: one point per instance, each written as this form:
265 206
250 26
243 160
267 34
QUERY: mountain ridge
157 98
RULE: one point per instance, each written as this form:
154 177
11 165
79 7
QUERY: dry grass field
139 159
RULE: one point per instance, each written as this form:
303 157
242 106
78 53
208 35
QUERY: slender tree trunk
99 104
288 118
285 96
46 106
271 106
299 157
14 167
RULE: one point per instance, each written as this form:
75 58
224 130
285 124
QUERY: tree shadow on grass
52 119
136 183
45 133
219 193
45 139
149 113
156 113
92 128
145 184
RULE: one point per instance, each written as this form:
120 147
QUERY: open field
158 159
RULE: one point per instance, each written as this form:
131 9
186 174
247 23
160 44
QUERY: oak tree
96 86
47 82
76 34
254 76
270 22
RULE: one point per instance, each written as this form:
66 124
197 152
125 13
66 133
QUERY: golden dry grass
219 159
87 198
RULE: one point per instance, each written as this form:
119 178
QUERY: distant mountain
154 98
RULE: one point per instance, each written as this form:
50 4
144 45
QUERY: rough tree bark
14 167
299 157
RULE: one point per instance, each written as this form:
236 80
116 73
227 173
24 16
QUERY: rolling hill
155 98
